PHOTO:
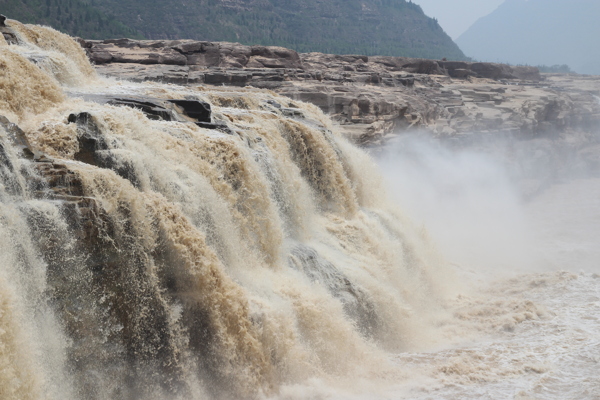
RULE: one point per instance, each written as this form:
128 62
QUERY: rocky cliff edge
372 98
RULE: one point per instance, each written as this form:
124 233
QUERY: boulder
210 55
101 57
234 55
198 110
428 67
276 57
189 47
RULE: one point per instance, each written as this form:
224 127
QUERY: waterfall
169 242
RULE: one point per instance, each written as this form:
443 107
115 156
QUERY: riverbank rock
371 98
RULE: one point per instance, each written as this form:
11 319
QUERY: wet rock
198 110
153 110
89 138
7 32
7 170
63 183
104 263
18 139
180 110
355 300
94 149
274 104
220 126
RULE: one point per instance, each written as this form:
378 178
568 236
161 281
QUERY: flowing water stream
169 242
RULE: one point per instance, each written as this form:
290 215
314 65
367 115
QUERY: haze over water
529 313
157 259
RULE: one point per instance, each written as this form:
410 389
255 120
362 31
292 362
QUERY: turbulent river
168 242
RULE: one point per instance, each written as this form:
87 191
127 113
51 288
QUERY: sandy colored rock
371 98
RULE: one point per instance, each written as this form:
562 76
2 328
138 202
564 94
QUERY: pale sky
456 16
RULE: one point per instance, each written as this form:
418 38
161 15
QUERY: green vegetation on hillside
75 17
369 27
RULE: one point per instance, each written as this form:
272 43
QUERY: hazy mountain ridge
370 27
538 32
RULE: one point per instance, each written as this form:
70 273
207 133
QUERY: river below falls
554 355
528 333
151 255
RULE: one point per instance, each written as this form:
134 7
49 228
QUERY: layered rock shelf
372 98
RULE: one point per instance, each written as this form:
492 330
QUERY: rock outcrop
162 255
191 53
8 33
372 98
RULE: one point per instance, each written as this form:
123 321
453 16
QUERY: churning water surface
527 323
175 262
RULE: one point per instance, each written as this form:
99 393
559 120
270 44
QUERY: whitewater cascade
167 242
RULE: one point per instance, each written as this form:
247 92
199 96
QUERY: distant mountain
368 27
539 32
76 17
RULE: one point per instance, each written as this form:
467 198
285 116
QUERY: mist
501 208
231 243
538 32
457 16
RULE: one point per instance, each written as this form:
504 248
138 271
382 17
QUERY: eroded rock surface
372 98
